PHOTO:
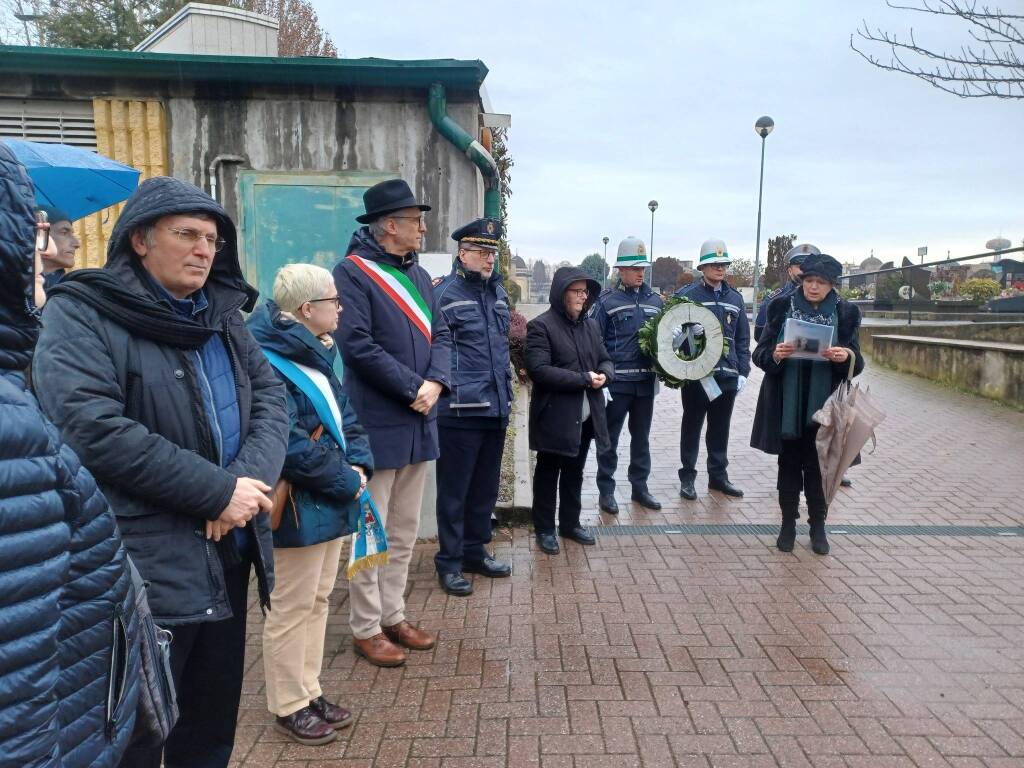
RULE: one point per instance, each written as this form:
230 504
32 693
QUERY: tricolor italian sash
400 289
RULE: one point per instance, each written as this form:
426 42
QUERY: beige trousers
377 595
293 633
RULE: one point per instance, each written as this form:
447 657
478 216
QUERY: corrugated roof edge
383 73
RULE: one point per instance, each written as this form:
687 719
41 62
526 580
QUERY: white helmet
632 253
713 251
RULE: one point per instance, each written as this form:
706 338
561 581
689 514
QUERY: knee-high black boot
789 503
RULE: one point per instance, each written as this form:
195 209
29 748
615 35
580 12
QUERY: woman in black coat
794 389
568 363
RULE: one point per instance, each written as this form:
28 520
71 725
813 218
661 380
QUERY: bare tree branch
997 70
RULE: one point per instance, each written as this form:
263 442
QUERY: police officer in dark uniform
794 258
714 396
473 416
621 312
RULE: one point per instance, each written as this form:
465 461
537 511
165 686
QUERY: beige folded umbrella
847 421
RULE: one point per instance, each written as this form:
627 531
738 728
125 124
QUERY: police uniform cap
483 232
798 253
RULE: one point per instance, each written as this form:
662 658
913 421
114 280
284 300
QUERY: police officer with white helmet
714 397
621 312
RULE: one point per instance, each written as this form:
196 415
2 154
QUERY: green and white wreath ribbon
656 337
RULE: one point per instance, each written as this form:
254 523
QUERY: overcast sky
613 106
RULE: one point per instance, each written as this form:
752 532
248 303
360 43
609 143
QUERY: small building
288 145
520 275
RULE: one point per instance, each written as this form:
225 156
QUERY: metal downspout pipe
213 172
473 149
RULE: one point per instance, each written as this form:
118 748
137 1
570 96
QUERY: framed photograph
810 339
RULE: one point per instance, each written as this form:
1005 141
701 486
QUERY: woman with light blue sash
328 473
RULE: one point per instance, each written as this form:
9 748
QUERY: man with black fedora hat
473 416
397 363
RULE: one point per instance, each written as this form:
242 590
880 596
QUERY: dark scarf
140 315
806 384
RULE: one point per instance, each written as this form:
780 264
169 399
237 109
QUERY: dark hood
289 338
364 244
19 318
166 196
562 279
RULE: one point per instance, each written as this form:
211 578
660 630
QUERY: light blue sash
298 377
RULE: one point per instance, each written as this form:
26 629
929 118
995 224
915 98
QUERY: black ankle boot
787 535
819 541
789 503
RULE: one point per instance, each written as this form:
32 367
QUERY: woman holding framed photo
794 389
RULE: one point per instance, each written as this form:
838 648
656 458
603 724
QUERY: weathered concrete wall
304 128
989 369
1010 333
276 132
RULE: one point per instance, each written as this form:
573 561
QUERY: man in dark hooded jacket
69 635
569 365
149 371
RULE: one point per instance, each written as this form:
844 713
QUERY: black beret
823 266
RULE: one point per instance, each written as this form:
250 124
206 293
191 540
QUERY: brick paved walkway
719 651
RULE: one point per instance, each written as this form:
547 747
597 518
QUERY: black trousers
207 662
799 470
719 416
640 410
561 475
468 474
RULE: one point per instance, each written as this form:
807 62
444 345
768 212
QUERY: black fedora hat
388 196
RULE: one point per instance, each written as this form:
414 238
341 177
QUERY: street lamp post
653 205
763 127
605 241
25 18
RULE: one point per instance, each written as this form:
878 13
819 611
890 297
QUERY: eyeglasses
192 236
581 292
485 251
421 218
335 299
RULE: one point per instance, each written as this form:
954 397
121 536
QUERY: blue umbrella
75 180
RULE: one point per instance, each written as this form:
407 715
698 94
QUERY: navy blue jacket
478 318
784 292
323 481
133 406
620 313
387 359
65 592
50 279
731 312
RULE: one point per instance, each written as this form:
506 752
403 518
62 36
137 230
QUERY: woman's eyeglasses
335 299
581 292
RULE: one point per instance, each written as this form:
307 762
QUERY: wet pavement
715 650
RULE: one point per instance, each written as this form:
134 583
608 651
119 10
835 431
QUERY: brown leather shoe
405 634
379 650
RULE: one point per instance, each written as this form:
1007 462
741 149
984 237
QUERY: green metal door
298 217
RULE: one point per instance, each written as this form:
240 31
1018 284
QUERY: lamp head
764 126
653 205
